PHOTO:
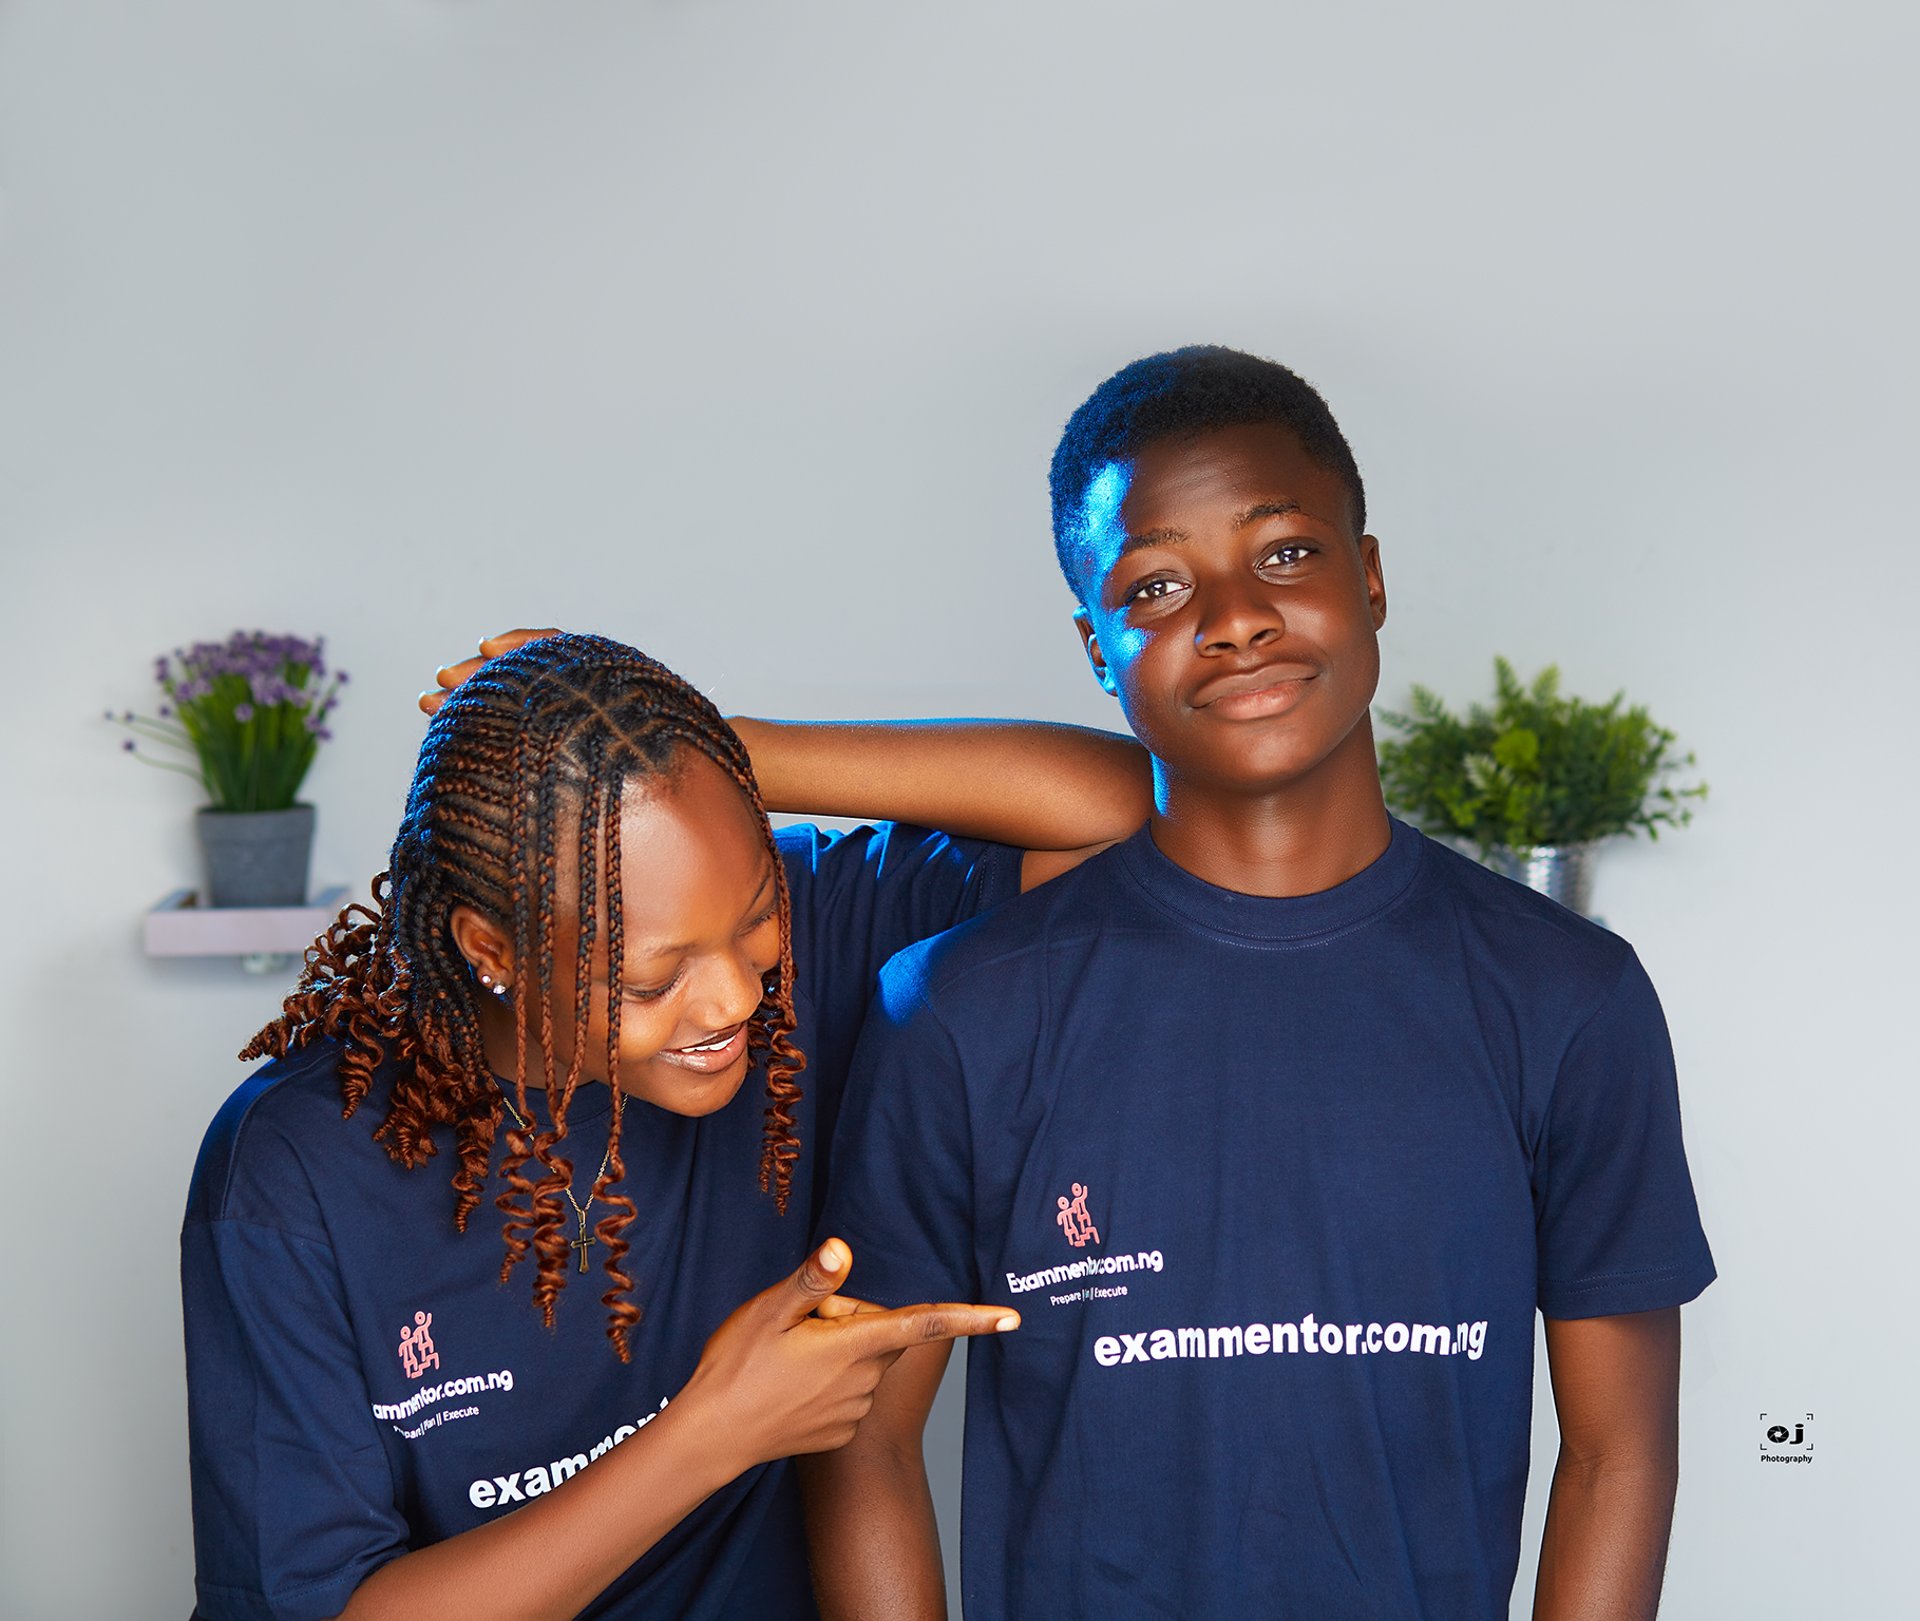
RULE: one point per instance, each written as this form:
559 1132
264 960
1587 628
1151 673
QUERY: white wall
744 330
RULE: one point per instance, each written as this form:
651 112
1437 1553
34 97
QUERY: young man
1276 1121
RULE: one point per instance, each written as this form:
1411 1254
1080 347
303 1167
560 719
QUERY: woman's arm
773 1381
552 1558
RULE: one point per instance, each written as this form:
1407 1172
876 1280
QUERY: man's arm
1616 1391
870 1525
1034 784
1058 792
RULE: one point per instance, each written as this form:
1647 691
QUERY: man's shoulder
1001 948
1519 934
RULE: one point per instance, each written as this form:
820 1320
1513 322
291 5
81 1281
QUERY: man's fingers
430 701
454 674
506 641
820 1276
888 1332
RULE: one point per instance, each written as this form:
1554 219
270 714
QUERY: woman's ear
485 945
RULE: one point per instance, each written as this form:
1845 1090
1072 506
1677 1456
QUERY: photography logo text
1786 1438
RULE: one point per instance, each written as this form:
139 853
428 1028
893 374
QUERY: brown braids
566 715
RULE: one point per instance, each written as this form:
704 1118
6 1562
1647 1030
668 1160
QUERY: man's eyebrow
1166 535
1162 536
1266 509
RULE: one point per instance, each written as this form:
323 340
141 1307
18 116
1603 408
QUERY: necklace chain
579 1209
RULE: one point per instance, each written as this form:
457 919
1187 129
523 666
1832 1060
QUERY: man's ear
486 946
1376 579
1090 643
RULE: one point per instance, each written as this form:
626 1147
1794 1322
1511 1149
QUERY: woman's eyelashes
653 993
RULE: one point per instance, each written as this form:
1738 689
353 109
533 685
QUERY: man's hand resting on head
491 647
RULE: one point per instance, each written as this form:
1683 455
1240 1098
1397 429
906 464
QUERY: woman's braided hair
563 719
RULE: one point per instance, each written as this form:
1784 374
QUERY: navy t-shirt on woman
1277 1186
360 1384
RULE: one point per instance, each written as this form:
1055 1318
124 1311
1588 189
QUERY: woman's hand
491 647
795 1368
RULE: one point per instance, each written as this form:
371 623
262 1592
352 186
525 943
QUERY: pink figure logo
1074 1220
416 1346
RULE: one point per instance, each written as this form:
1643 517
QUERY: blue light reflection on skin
1102 532
1100 506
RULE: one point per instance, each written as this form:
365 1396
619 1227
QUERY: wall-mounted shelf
266 939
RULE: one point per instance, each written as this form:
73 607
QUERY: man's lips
709 1057
1270 690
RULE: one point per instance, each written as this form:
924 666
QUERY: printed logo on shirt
430 1395
1074 1220
1076 1225
1091 1266
497 1491
1308 1335
416 1346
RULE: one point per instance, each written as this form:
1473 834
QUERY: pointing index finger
905 1326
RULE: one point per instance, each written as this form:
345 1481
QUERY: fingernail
830 1256
1005 1323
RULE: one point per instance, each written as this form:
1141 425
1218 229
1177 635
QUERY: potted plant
1536 780
251 713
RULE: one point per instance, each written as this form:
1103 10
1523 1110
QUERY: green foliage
250 713
1536 767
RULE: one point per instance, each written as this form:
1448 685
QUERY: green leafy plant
250 712
1535 767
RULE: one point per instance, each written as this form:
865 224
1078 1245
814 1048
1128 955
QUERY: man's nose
1236 614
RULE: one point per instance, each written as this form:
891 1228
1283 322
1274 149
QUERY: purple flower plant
249 710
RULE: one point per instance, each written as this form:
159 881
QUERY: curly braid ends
535 741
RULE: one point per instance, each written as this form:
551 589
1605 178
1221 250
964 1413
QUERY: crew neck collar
591 1100
1272 919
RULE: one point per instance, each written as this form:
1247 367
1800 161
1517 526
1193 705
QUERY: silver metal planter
256 858
1562 872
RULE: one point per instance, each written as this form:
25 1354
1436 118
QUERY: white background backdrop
744 331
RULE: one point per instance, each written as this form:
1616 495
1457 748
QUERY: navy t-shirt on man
359 1382
1277 1186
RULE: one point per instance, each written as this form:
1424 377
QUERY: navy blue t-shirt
360 1384
1277 1186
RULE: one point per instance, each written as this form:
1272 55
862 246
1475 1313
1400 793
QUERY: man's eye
1157 590
1287 555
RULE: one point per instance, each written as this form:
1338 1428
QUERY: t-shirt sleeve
901 1192
293 1498
860 897
1618 1228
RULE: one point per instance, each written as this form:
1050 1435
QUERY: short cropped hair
1183 394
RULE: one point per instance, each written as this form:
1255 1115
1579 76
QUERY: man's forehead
1233 475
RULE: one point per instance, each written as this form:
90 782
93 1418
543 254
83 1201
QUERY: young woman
584 890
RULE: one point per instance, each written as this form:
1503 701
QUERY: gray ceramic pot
1563 872
256 858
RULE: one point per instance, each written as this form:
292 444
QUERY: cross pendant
582 1242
